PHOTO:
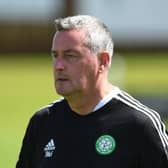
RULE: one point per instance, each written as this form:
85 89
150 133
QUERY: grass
26 84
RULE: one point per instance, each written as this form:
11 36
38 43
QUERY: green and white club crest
105 144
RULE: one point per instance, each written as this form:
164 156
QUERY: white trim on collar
107 98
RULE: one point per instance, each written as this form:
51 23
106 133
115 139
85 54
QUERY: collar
107 98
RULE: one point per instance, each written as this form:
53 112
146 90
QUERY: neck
84 103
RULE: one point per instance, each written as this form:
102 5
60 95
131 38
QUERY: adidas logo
49 149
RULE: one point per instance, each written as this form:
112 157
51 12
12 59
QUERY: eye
54 54
70 56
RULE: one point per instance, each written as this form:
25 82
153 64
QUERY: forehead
68 38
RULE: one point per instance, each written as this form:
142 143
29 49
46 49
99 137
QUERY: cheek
79 75
87 73
86 70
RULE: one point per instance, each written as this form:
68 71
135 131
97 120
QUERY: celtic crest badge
105 144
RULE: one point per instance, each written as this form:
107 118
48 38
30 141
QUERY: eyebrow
66 51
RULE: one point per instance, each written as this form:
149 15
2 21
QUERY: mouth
61 79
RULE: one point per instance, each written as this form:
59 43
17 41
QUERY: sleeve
27 150
154 145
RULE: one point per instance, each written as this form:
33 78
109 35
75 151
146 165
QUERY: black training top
121 134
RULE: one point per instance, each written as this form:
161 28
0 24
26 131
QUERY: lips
61 79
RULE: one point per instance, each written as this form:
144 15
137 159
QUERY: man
96 124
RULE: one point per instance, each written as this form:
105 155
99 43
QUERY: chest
81 144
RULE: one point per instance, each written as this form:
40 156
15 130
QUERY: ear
104 60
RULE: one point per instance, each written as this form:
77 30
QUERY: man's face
75 67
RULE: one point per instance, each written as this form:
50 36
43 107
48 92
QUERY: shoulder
54 108
45 117
134 112
144 117
135 108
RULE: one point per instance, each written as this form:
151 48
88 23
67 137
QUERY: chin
63 93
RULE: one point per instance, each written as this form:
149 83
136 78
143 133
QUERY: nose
59 64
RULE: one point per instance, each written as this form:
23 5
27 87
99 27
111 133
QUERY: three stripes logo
49 149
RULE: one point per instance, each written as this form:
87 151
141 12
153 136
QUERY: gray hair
98 36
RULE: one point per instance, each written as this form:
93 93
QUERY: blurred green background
27 84
139 65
